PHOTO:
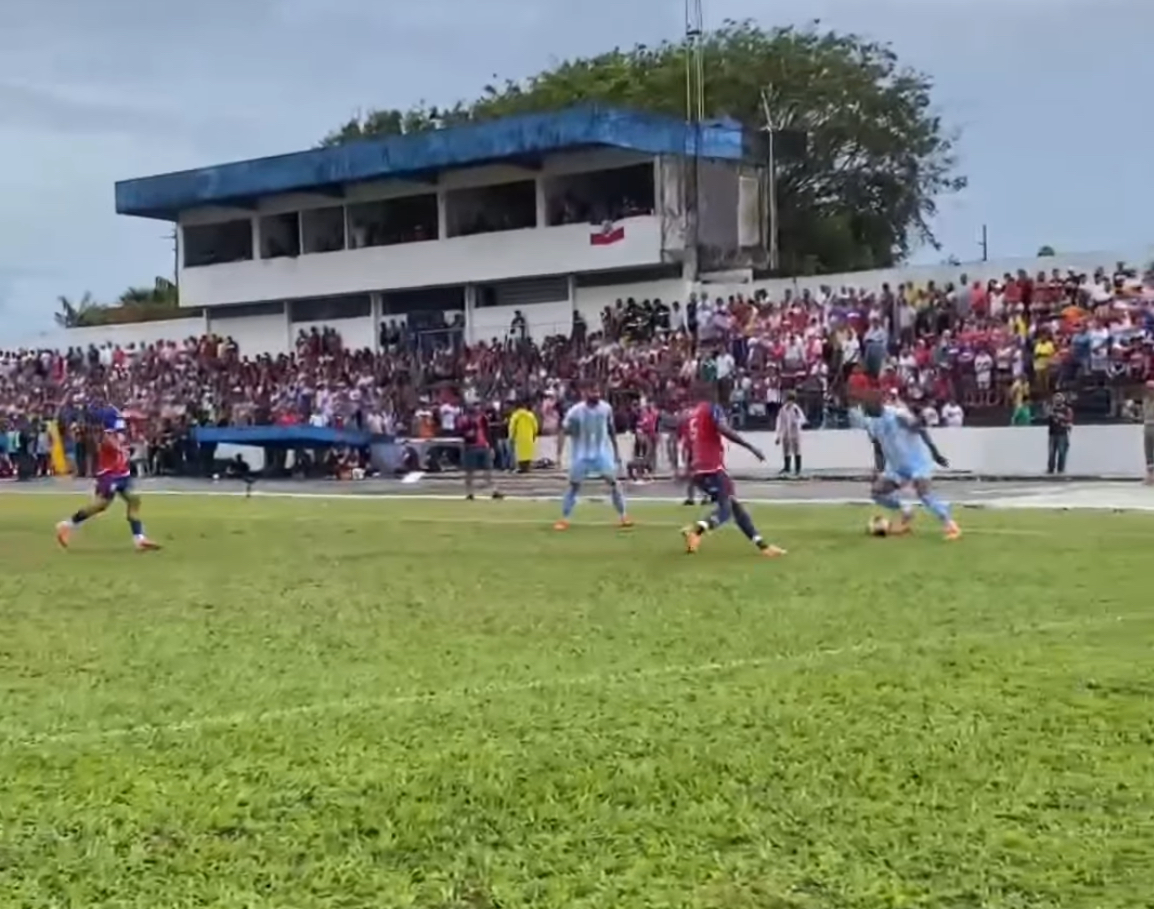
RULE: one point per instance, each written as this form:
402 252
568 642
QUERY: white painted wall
1108 451
122 335
256 334
458 260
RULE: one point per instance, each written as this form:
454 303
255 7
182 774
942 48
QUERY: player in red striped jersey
708 432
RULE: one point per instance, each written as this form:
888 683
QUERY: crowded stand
990 352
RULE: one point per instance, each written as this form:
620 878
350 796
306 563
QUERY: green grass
304 704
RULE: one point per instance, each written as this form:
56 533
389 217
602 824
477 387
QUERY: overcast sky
1051 96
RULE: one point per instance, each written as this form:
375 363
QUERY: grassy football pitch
322 703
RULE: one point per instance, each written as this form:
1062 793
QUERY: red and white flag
608 234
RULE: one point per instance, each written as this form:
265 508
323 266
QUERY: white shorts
602 465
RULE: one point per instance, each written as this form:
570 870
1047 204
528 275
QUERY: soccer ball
878 526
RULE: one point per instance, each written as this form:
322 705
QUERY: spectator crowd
977 352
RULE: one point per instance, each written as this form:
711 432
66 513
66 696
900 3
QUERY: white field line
347 706
1013 500
489 520
607 524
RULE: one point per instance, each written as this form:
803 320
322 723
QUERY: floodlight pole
771 179
694 116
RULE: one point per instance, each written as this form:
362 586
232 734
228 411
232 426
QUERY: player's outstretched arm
920 428
729 434
939 458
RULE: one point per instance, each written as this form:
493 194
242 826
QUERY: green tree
75 315
878 156
146 304
136 304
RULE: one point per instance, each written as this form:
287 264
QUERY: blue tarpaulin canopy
286 436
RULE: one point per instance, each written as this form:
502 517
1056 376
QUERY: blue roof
423 154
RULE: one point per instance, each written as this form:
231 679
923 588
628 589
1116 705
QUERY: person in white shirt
850 348
953 415
790 421
449 413
984 369
725 365
930 416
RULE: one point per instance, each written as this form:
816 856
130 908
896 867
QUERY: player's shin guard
569 501
745 522
940 509
618 498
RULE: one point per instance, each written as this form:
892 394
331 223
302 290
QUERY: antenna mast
694 116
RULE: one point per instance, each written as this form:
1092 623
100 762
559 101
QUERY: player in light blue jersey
910 456
594 453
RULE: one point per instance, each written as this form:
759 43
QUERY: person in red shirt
476 454
113 478
708 432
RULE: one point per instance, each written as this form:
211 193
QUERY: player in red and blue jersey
113 478
708 432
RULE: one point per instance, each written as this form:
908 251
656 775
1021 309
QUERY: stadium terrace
460 226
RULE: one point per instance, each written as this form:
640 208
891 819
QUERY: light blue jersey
906 454
590 430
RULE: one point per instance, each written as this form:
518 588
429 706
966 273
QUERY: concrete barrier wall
1108 451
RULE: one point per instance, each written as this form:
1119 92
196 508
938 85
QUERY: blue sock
745 522
136 526
618 499
569 501
939 508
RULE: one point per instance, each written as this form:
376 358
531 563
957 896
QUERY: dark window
488 209
323 229
408 219
425 299
524 292
598 196
245 310
214 244
280 236
328 309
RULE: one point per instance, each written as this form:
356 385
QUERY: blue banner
286 436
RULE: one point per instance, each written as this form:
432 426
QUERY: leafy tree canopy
137 304
878 157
